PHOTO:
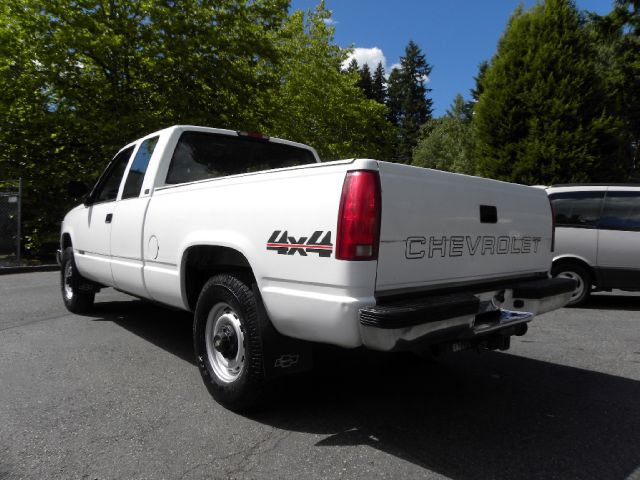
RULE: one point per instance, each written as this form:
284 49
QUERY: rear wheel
77 294
581 275
227 342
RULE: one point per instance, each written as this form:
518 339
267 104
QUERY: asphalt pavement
116 395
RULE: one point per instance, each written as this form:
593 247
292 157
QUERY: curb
29 269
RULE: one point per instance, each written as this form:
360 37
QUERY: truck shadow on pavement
472 416
613 302
168 329
465 416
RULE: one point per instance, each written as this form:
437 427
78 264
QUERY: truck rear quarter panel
307 295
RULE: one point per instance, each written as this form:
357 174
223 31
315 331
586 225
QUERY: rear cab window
202 155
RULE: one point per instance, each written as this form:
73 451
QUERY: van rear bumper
431 319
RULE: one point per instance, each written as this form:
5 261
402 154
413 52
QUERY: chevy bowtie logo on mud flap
282 243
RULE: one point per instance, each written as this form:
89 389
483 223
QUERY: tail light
359 216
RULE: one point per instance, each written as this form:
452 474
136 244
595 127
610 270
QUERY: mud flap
282 355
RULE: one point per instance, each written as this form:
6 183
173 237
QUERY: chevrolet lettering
458 246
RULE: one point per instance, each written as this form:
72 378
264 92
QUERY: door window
621 211
133 184
109 183
577 209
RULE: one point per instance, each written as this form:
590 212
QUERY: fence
10 222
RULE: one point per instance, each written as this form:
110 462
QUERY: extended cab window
109 183
133 185
201 155
621 211
577 209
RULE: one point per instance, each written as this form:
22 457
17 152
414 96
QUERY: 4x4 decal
281 242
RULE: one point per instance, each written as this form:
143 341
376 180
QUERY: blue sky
455 35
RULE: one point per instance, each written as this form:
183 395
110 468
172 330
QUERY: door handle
108 218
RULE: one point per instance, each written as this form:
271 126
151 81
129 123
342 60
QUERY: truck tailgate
442 229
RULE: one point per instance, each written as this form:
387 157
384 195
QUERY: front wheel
582 278
75 294
227 342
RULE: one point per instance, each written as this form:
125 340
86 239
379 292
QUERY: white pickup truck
273 250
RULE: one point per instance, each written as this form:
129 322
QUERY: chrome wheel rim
67 278
579 290
224 340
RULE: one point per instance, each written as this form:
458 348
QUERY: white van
597 239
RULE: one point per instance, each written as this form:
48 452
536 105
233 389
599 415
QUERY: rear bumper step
401 324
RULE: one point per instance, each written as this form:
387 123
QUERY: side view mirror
77 189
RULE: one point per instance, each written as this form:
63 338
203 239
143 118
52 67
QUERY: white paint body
307 297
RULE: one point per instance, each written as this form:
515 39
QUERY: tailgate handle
488 214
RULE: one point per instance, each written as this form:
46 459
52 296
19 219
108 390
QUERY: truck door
127 231
92 237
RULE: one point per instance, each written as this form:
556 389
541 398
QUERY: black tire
580 274
77 293
232 372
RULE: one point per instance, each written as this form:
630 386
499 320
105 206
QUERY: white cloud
370 56
330 21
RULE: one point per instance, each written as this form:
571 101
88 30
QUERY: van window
577 209
201 155
621 211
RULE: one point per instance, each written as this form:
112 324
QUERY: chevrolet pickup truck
273 250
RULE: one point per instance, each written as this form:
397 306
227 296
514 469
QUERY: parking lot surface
117 395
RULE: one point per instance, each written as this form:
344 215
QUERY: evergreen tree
543 116
394 97
458 108
379 84
476 91
366 82
353 66
616 38
408 104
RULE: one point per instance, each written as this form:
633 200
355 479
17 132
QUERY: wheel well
66 241
582 263
201 262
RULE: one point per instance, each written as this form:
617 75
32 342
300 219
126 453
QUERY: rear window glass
577 209
621 211
201 155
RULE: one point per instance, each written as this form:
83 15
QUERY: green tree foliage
366 81
447 143
316 102
616 38
379 86
80 78
476 91
353 66
407 100
543 116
